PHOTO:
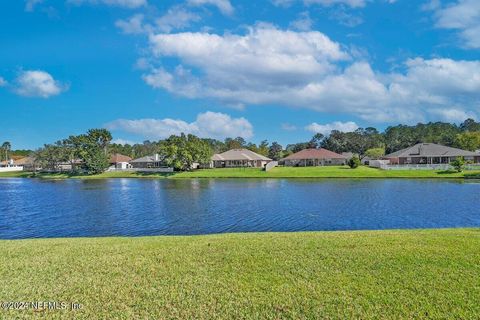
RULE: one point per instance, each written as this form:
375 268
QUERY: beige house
430 153
313 158
120 161
236 158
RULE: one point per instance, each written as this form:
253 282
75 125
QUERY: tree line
90 152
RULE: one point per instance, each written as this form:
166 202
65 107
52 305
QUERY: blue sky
277 69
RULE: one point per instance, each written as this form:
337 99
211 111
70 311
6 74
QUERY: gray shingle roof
430 150
146 159
239 154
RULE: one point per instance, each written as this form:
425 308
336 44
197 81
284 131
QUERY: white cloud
176 18
453 115
329 3
326 3
30 4
37 83
464 16
130 4
3 82
325 129
224 6
282 3
269 66
351 3
134 25
288 127
345 18
207 125
123 142
303 23
264 56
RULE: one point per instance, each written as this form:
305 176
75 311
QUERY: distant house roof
117 157
429 150
152 158
24 161
348 155
315 154
19 161
239 154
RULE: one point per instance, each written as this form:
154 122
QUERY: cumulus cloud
269 66
176 18
325 129
346 18
208 124
464 16
264 56
351 3
3 82
453 115
130 4
122 141
37 83
303 23
134 25
224 6
326 3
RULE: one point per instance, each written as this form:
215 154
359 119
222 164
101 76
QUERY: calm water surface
133 207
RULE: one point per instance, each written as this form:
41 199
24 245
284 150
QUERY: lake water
134 207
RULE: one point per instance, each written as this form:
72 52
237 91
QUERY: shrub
458 164
354 162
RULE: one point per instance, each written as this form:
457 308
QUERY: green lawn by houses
322 172
279 172
317 275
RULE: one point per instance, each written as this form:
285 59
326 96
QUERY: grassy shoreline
279 172
400 274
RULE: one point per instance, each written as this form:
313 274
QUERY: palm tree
6 146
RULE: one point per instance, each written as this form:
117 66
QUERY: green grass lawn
279 172
322 172
318 275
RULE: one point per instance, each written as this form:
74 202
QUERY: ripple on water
135 207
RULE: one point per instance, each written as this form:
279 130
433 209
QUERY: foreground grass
324 275
279 172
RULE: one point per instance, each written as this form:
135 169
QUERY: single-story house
430 153
120 161
314 157
25 163
28 163
9 163
148 162
239 158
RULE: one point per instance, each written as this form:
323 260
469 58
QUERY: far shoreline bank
333 172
